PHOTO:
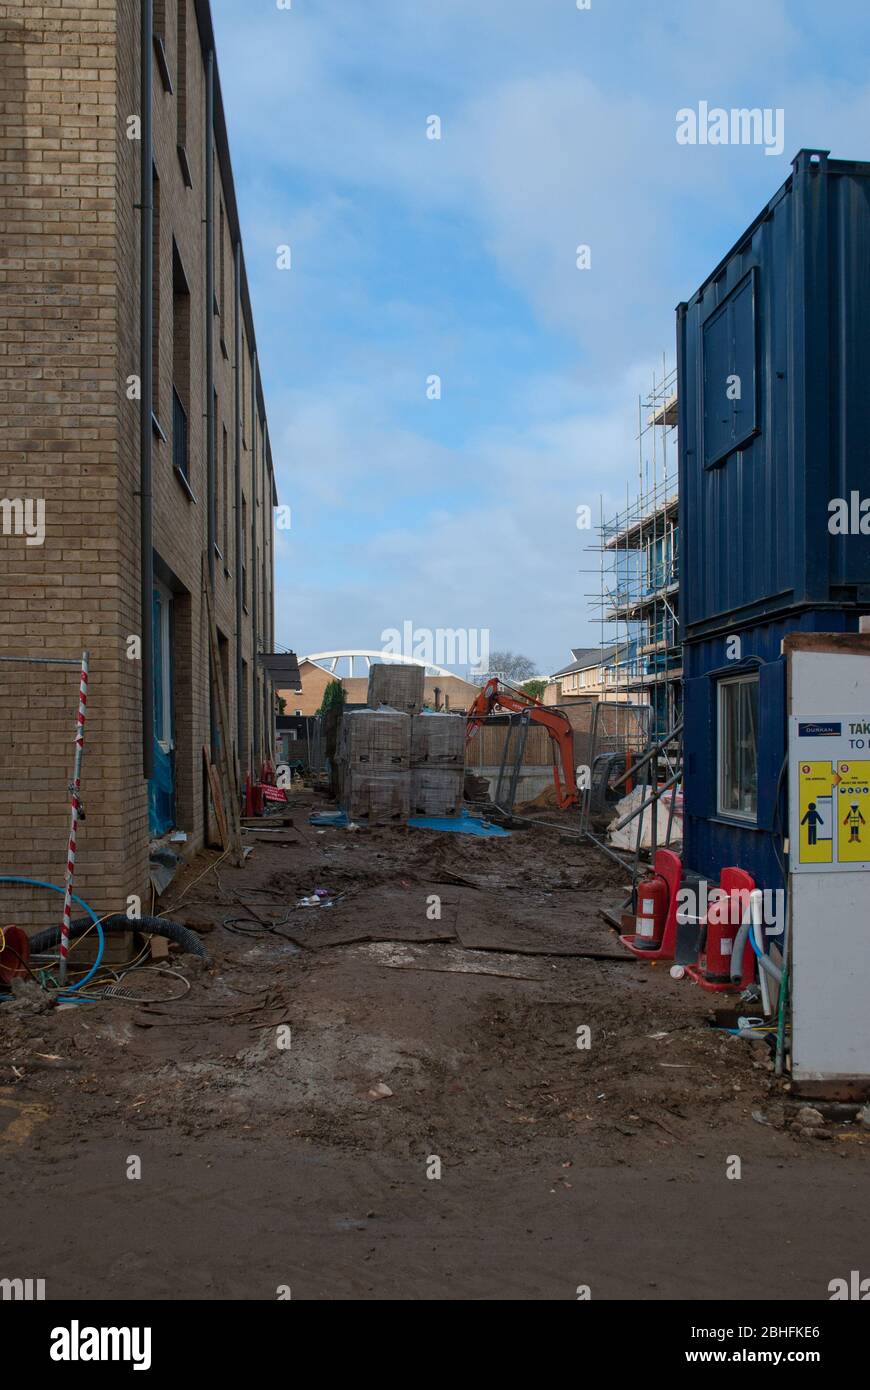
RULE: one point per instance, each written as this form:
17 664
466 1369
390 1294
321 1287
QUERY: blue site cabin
774 457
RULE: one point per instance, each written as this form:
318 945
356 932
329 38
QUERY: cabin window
738 747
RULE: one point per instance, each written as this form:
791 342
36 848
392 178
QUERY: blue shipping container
774 407
774 402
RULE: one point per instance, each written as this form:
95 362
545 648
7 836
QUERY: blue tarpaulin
463 824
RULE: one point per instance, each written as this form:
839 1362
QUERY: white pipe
756 917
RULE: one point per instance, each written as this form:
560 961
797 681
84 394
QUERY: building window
181 76
180 444
242 392
215 479
244 560
730 374
226 486
222 263
161 786
163 668
180 365
738 747
158 30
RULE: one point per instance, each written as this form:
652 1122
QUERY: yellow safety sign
853 811
817 803
829 793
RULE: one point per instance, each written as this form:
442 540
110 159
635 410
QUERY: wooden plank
828 643
216 798
271 837
226 764
856 1090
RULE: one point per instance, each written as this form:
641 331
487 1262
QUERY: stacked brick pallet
393 759
437 764
374 756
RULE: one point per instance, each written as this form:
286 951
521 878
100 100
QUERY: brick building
441 691
590 677
133 413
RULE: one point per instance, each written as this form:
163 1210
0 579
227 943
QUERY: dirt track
263 1164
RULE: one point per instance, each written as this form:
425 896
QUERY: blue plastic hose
40 883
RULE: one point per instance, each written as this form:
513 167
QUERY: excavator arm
497 696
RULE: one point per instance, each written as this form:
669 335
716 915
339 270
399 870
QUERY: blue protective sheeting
463 824
161 793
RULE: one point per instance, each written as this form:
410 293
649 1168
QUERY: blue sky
413 257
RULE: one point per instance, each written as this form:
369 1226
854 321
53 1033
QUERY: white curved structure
333 658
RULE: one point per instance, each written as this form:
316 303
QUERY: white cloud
511 560
558 130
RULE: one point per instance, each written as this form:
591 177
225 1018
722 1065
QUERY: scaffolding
636 606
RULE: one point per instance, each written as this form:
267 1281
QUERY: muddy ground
432 1017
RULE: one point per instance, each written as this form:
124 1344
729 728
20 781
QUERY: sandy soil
414 1036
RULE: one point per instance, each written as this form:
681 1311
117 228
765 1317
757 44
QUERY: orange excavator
497 696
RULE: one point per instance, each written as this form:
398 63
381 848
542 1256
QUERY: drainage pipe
255 679
209 314
240 709
756 918
146 373
210 413
747 933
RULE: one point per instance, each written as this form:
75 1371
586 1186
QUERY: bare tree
511 667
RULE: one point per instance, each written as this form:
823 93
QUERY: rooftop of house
585 658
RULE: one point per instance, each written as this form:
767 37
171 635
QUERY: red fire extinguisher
724 919
720 934
652 912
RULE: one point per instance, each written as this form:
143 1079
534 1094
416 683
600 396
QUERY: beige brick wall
314 680
450 692
69 339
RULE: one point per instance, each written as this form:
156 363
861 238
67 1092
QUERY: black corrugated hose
151 926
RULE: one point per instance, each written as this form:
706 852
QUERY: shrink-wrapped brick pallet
375 739
379 798
438 740
436 791
398 686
